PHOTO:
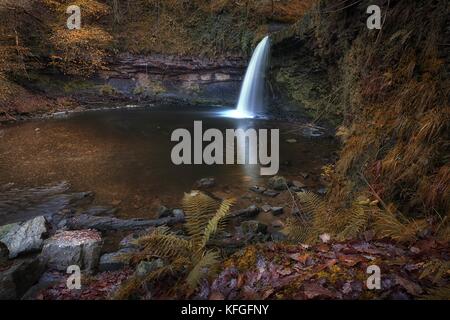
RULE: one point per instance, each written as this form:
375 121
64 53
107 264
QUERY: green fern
205 216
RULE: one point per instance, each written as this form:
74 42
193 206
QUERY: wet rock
277 224
24 237
100 211
79 247
206 183
271 193
278 236
23 204
130 240
257 189
116 260
47 280
276 211
146 267
249 212
178 214
164 212
253 227
84 221
17 279
298 184
278 183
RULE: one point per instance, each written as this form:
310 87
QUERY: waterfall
251 99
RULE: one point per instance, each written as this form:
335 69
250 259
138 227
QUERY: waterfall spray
251 99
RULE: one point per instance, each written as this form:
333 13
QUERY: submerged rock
205 183
17 279
271 193
80 247
24 237
257 189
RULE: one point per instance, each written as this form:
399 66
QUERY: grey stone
206 183
271 193
298 184
18 278
257 189
178 214
277 224
322 191
277 211
116 260
253 227
278 183
24 237
164 212
278 236
266 208
146 267
79 247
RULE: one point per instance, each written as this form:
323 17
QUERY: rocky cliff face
194 80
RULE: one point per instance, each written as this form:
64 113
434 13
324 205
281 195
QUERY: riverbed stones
24 237
205 183
257 189
163 212
19 277
276 211
271 193
116 260
146 267
278 183
253 227
79 247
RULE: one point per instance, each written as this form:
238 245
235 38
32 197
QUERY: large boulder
79 247
24 237
19 277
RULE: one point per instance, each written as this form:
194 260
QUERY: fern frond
205 265
437 269
126 290
297 231
214 224
163 244
356 221
388 225
199 209
440 293
310 202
